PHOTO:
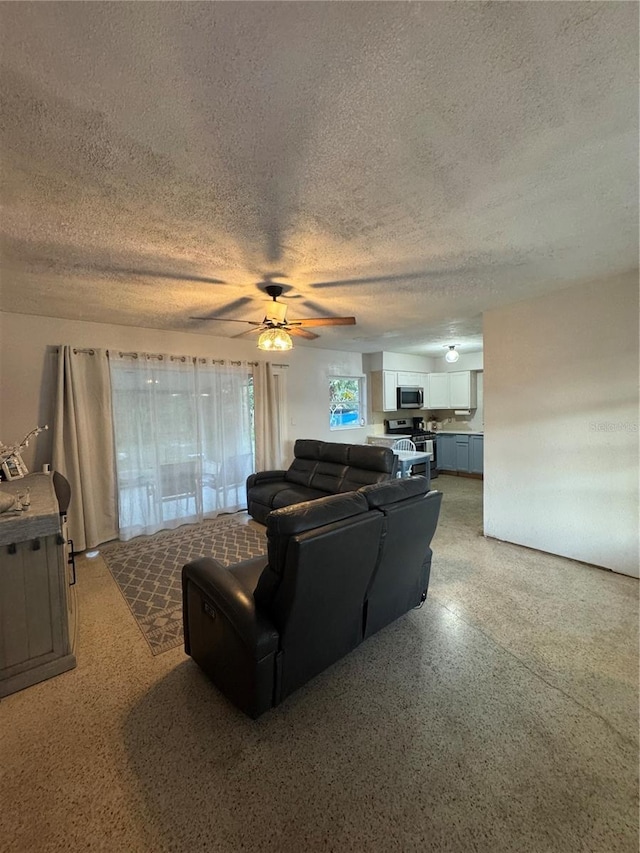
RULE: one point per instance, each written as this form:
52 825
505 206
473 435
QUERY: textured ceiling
412 164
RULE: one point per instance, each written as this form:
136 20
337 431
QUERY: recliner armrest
264 477
233 602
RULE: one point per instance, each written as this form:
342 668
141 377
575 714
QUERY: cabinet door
418 380
462 453
476 454
460 390
383 391
446 445
438 395
422 381
389 396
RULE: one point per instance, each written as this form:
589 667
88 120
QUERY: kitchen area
440 409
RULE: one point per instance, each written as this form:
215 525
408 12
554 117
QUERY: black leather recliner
339 569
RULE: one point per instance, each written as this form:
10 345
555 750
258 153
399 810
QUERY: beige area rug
148 571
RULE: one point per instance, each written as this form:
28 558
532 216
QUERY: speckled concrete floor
503 716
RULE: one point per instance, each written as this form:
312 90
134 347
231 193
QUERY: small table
407 458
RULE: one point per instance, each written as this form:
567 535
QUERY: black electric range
414 427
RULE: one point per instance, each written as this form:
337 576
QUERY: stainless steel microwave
410 397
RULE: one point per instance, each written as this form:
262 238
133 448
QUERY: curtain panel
83 444
270 396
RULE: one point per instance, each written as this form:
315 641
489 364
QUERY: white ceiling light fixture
275 340
453 355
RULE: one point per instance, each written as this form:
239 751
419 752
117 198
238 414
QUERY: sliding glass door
183 439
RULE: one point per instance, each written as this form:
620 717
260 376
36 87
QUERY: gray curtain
83 444
269 396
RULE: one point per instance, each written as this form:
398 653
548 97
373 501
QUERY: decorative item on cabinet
11 461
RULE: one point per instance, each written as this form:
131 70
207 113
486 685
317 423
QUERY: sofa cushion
355 478
336 452
291 520
308 448
301 471
392 491
372 458
328 476
264 493
295 495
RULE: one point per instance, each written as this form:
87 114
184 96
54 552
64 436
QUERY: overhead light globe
452 355
275 340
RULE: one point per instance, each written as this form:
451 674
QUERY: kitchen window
346 402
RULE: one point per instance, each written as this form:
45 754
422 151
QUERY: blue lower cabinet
476 454
458 452
446 452
462 453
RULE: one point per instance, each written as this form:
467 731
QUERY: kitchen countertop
460 432
387 437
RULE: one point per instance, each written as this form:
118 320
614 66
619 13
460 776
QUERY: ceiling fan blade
227 320
324 321
301 333
234 306
247 332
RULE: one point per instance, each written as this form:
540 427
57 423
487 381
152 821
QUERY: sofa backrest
322 555
333 467
402 572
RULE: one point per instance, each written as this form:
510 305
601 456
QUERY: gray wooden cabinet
37 603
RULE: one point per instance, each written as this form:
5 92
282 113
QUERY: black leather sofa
338 569
319 468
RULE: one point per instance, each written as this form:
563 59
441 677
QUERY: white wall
561 423
27 373
467 361
397 361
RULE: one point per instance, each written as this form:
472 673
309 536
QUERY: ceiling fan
275 329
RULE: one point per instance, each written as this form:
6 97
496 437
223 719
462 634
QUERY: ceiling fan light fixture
275 340
276 312
452 355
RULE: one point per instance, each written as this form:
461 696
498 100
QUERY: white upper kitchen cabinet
438 391
462 389
412 380
455 390
383 390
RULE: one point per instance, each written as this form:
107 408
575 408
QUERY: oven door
427 445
